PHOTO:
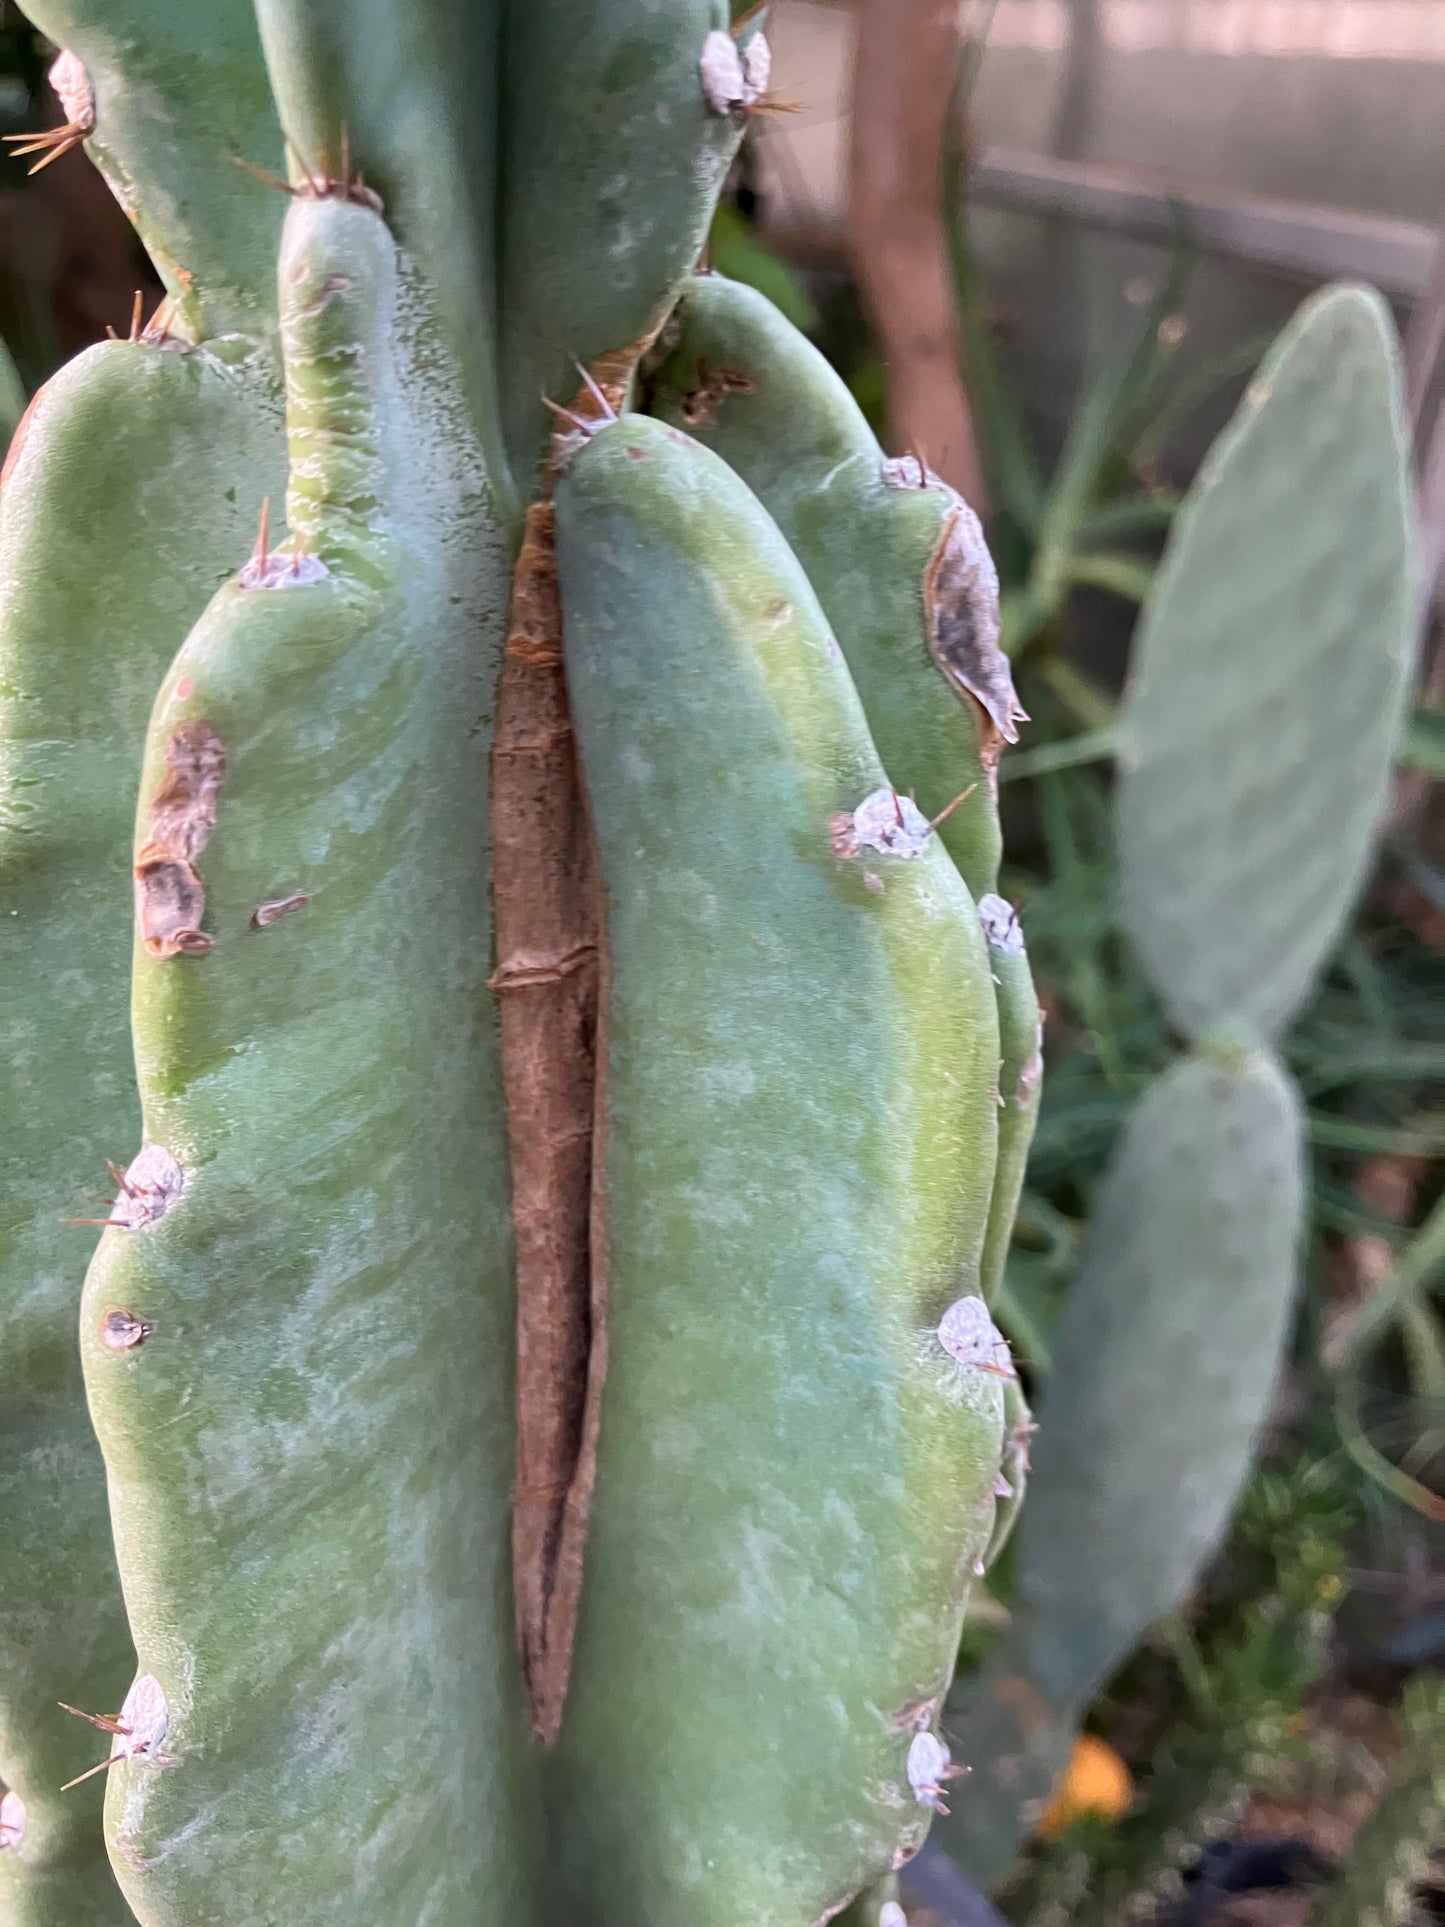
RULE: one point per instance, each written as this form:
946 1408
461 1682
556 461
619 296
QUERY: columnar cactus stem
136 476
739 1055
311 1454
177 97
898 562
795 1475
896 557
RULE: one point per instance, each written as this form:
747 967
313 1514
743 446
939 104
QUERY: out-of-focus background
1157 183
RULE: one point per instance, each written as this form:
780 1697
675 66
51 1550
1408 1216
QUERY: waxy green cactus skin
746 384
12 396
310 1458
611 160
1269 678
307 1417
794 1478
1187 1284
137 481
181 97
1020 1079
407 97
868 532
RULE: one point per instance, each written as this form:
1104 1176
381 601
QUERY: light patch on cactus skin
281 571
890 1914
12 1820
77 100
884 821
960 592
270 568
170 896
930 1768
1032 1073
148 1188
136 1731
268 913
910 471
732 80
1001 925
74 92
143 1717
122 1331
971 1338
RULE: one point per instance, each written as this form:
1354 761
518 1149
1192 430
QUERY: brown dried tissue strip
170 897
551 981
961 598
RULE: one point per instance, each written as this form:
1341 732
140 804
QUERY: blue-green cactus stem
795 1470
310 1454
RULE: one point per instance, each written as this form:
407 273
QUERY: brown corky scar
170 897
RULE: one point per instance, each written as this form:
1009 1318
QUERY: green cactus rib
1013 1485
178 95
795 1478
1184 1300
895 557
408 98
1270 673
310 1454
898 563
1020 1079
149 464
612 157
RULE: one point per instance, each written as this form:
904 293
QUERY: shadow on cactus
540 1348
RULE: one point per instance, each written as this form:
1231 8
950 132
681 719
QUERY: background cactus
297 1331
1266 700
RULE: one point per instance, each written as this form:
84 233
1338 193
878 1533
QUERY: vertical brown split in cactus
549 983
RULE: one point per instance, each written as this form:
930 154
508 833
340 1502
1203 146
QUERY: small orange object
1095 1781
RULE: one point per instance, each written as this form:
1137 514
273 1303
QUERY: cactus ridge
176 97
898 563
787 1513
336 1068
895 556
149 463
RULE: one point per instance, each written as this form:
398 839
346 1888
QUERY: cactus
898 562
632 1027
540 1348
807 990
1265 705
1265 702
151 464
